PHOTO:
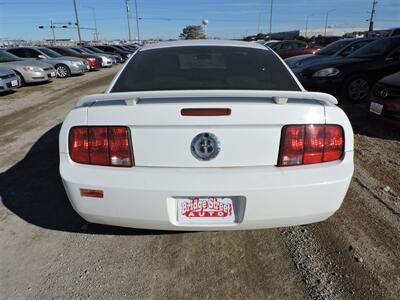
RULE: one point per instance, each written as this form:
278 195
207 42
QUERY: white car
206 135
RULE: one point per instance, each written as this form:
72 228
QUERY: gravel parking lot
48 251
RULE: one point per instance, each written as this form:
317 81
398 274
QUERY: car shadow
366 123
32 189
6 93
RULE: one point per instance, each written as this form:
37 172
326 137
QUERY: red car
385 96
287 49
93 60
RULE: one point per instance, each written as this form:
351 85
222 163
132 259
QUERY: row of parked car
355 69
25 65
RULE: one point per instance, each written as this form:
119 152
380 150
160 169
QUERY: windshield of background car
7 57
377 48
49 52
333 48
205 67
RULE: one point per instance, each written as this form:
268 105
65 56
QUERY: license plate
53 74
14 83
376 108
203 210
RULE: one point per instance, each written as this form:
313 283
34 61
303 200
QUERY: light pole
128 17
270 17
371 19
305 35
137 21
77 22
326 19
96 33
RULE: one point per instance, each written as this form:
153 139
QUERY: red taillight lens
310 144
79 145
98 145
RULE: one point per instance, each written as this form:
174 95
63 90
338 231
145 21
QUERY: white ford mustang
206 135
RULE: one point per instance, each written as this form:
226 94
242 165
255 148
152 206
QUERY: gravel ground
47 251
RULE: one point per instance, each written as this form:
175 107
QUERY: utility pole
128 17
77 22
96 33
54 34
270 17
326 19
371 19
137 21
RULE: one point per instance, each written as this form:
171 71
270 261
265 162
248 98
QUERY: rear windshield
205 67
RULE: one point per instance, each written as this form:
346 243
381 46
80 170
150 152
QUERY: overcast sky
166 18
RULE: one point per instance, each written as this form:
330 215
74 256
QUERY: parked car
113 49
221 137
117 56
106 60
322 41
352 77
385 96
65 65
27 71
8 80
94 62
125 48
287 49
339 48
132 47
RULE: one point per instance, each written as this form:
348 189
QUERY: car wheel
21 78
357 89
63 71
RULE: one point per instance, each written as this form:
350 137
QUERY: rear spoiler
197 96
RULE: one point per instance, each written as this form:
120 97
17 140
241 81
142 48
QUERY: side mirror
41 56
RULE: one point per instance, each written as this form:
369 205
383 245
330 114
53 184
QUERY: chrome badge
205 146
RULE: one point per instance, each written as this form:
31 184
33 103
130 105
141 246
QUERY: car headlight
33 69
327 72
76 63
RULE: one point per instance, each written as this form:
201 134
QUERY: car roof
186 43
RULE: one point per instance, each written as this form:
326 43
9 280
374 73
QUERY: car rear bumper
146 197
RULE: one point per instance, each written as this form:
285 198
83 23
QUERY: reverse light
101 145
310 144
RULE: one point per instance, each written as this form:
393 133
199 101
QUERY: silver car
27 71
8 80
65 65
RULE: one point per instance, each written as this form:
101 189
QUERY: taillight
100 145
310 144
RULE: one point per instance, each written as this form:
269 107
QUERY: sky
19 19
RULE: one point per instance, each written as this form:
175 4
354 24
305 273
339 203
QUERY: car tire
21 78
356 89
63 71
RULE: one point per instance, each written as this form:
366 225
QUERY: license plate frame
210 210
376 108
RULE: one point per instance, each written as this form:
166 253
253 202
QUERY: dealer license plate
14 83
203 210
53 74
376 108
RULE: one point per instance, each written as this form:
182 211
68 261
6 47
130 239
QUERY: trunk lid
249 136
